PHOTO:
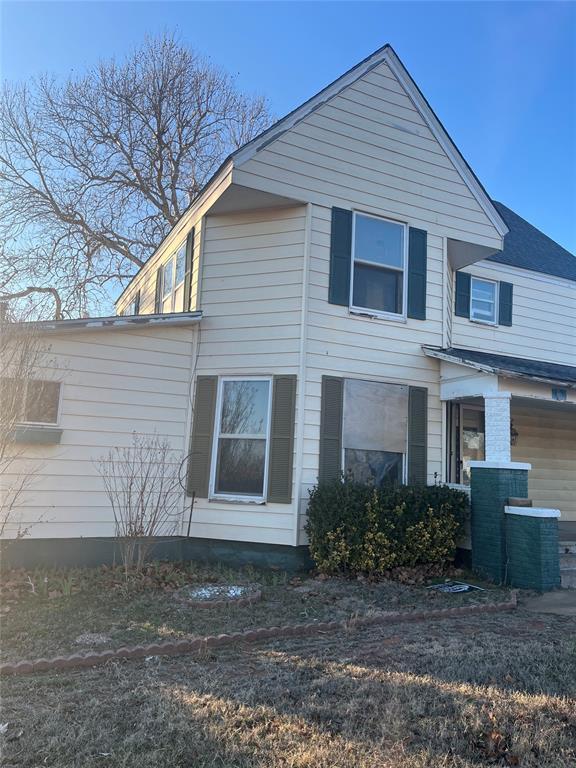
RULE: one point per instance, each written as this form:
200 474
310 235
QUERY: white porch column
497 425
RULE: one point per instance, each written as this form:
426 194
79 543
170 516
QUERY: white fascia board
115 322
385 55
503 372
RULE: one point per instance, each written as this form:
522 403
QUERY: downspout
301 400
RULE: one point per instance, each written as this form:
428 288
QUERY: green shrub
359 529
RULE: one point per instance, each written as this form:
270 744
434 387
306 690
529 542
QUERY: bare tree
94 171
22 354
143 488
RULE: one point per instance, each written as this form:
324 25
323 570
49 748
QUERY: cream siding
547 439
368 147
351 346
114 382
543 321
252 278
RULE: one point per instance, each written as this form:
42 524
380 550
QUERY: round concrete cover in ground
207 595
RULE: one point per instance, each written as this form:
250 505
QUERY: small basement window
240 459
379 266
483 300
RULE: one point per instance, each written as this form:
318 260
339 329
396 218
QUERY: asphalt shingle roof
515 365
528 248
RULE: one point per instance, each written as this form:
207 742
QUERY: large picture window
374 431
379 266
173 273
241 439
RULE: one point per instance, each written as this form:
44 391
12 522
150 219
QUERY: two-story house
342 296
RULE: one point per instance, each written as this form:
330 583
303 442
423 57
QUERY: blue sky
500 75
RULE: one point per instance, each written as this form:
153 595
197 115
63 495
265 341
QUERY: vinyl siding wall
368 149
113 383
543 321
547 439
252 282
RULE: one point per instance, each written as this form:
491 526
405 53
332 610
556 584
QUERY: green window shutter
137 303
340 257
158 293
202 436
417 252
505 292
462 307
330 463
188 273
417 435
281 457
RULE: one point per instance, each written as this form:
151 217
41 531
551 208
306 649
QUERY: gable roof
505 365
384 55
528 248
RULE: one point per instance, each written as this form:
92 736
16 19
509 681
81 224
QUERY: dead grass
38 625
488 690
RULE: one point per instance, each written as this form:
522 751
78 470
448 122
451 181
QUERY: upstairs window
173 273
379 266
483 300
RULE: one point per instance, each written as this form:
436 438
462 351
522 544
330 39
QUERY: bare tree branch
94 171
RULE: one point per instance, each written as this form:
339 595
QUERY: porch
516 417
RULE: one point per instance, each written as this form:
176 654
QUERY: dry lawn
51 623
487 690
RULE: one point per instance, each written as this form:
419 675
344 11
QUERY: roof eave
496 371
113 322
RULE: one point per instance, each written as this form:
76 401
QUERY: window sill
37 435
235 500
367 314
489 323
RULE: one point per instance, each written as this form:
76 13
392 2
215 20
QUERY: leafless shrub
141 482
95 170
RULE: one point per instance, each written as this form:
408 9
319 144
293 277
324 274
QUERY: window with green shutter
375 431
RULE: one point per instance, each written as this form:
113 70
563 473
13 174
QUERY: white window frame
483 320
217 420
375 312
58 411
174 287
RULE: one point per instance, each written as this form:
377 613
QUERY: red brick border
178 647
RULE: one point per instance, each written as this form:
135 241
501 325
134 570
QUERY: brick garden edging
179 647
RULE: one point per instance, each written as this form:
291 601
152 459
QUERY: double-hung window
378 282
173 274
483 300
240 456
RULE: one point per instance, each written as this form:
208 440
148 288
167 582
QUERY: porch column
493 482
497 426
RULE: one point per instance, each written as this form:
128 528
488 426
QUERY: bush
356 529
